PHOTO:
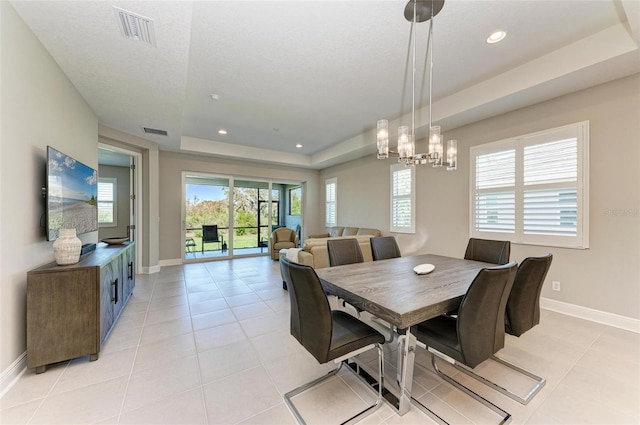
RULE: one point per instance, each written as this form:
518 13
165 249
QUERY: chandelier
419 11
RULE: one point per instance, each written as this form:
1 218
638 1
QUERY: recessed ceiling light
298 146
215 96
222 131
496 37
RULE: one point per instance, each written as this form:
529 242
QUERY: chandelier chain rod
430 49
413 79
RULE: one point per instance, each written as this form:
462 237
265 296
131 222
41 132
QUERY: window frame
114 203
579 131
291 190
328 203
411 228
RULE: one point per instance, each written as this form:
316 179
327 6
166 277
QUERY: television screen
72 195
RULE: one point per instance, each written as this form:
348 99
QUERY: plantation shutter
550 194
331 202
495 192
402 199
107 201
533 189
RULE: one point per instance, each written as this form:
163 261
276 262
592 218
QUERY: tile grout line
48 394
133 364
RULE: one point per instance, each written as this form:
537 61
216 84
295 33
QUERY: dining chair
328 335
384 247
344 251
488 251
473 336
523 313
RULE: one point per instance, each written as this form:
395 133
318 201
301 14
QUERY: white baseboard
611 319
149 270
11 374
174 262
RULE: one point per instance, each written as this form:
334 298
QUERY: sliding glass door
228 217
206 217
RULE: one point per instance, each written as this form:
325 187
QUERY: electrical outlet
555 285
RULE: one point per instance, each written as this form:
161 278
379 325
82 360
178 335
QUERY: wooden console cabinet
71 309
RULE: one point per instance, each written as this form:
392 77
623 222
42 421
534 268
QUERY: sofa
314 250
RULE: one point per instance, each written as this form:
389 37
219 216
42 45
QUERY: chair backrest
311 322
480 323
488 251
210 233
523 305
384 247
284 234
344 251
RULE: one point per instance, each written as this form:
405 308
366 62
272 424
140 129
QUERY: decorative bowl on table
114 241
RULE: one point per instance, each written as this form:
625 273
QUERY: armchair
282 238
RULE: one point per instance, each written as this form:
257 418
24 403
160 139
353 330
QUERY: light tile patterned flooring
209 343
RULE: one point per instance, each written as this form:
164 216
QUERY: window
295 201
331 201
403 199
533 189
107 216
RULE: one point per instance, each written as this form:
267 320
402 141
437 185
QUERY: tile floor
209 343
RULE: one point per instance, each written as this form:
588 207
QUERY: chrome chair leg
506 416
539 382
358 416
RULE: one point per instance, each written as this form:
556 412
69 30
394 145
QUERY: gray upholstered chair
523 313
384 247
327 335
477 332
344 251
282 238
488 251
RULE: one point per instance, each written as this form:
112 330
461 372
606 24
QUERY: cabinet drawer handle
130 270
115 299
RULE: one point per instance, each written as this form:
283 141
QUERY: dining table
392 291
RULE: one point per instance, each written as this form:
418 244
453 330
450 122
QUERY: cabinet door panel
61 316
107 296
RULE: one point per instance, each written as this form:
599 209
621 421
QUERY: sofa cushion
366 231
335 231
350 231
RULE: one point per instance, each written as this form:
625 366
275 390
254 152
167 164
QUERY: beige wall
40 107
121 174
173 164
606 276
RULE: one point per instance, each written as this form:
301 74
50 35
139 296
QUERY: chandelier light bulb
452 155
383 139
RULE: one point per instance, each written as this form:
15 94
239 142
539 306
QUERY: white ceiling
320 73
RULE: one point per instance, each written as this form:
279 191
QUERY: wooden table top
392 291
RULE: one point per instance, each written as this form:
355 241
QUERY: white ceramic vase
66 249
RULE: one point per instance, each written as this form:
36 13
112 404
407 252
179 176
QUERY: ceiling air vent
135 27
155 131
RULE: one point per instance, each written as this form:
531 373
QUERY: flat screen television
71 195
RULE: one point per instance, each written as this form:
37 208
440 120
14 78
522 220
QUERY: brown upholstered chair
327 335
488 251
384 247
344 251
477 332
282 238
